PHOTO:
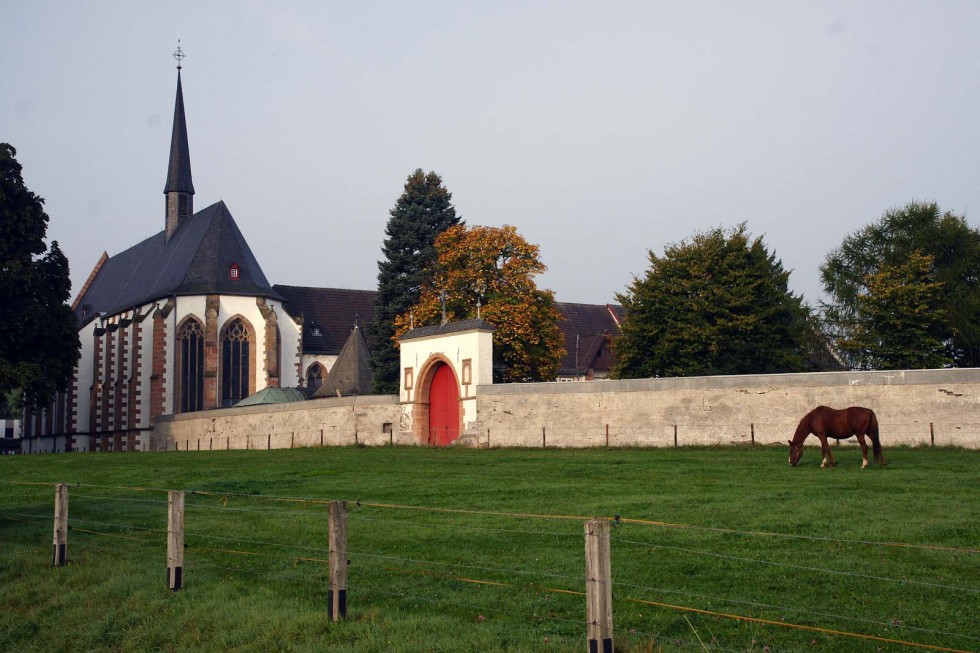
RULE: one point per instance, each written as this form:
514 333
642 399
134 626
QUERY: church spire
180 188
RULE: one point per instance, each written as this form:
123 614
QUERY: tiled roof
588 329
336 310
196 260
351 373
328 314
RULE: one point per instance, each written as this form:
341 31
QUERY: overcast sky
601 130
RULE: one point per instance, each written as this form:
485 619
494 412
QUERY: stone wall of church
915 407
337 421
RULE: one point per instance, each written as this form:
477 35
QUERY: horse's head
795 453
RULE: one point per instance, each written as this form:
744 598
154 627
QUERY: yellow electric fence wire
649 522
75 529
784 624
724 615
463 511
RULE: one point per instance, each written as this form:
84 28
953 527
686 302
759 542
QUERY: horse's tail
873 434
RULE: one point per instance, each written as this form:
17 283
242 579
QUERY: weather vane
179 54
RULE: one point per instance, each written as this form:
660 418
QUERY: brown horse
827 422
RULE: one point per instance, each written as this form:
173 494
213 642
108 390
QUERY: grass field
724 549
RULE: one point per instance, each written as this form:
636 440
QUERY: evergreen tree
901 323
423 211
491 270
718 304
39 344
954 249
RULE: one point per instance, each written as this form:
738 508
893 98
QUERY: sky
601 130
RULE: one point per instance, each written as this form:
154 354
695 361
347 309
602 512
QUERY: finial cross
179 54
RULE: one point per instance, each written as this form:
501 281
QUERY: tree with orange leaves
489 271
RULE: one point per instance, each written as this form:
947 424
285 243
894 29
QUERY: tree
901 324
490 271
39 344
717 304
954 248
423 211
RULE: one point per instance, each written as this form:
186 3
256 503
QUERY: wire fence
554 434
528 567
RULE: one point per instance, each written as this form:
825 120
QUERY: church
186 321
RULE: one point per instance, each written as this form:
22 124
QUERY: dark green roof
273 396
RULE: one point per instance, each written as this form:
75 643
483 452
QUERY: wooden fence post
598 587
544 441
175 540
675 435
932 434
321 437
60 525
337 534
752 426
268 442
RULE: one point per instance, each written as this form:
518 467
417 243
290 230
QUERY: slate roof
351 373
588 329
195 261
179 170
336 310
332 311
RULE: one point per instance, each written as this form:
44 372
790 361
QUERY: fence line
619 519
507 572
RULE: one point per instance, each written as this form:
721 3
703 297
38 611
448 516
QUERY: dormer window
315 330
234 272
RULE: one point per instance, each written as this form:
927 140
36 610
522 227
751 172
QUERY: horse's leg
880 454
864 450
828 458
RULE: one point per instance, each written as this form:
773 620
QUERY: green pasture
715 549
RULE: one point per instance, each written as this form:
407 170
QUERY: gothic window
190 370
314 377
235 372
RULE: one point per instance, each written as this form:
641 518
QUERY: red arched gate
443 407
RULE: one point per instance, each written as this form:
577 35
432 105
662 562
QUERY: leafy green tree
423 211
954 248
901 323
717 304
39 344
491 270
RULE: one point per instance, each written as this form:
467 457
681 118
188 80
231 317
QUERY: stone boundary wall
338 421
727 410
914 407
